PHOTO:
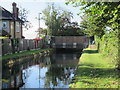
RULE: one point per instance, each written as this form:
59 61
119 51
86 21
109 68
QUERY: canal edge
42 52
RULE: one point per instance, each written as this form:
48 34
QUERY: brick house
11 24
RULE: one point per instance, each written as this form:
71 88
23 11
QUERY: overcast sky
36 6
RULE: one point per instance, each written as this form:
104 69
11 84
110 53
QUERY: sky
37 6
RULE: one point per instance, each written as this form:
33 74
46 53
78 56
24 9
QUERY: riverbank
15 62
26 53
95 71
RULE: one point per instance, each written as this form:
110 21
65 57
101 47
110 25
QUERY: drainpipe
15 16
14 28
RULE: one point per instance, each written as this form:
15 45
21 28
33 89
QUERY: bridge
78 42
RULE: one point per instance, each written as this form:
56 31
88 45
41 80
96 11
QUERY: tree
23 14
41 32
59 22
99 17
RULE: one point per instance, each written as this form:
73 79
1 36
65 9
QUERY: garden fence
10 46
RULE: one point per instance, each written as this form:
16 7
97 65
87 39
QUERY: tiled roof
6 15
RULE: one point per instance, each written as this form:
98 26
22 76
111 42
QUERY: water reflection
54 71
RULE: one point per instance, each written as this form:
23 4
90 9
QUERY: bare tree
23 15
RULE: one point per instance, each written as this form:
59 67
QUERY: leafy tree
41 32
99 15
101 19
59 22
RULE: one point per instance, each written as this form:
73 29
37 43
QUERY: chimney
15 10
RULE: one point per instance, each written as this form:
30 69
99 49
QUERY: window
17 27
4 25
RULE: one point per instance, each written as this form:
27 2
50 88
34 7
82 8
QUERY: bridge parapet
79 42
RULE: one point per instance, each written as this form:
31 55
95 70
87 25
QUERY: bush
108 46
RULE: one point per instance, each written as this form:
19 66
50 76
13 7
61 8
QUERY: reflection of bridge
78 42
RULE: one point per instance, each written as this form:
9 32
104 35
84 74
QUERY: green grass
24 53
95 71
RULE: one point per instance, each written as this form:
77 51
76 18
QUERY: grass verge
95 71
24 53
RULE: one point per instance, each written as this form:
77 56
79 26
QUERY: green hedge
108 46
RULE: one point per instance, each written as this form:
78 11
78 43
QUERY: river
52 71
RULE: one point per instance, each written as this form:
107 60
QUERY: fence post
0 47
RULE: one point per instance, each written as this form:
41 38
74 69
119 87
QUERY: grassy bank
95 71
24 53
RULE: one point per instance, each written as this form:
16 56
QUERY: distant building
11 23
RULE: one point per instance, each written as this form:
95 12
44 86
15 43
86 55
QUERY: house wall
18 30
9 27
12 29
0 27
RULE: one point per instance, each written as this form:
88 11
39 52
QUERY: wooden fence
10 46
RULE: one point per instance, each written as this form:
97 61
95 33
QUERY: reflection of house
11 24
